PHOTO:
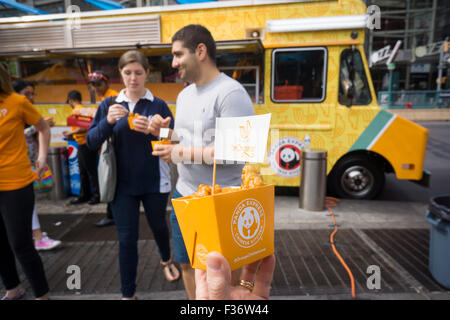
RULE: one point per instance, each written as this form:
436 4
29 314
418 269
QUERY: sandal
170 271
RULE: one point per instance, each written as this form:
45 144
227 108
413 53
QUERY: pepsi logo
73 152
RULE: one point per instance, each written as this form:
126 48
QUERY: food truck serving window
299 75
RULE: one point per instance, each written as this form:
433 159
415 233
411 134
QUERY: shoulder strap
112 100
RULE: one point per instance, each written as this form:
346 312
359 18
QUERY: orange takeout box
155 142
238 224
131 117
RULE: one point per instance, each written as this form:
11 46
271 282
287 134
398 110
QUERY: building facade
421 26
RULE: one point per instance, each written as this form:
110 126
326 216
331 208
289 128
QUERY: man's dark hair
194 34
20 84
74 95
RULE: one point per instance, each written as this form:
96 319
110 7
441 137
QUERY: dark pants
16 210
109 213
87 161
126 217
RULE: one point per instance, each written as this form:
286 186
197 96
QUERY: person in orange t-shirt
100 81
16 191
87 159
41 240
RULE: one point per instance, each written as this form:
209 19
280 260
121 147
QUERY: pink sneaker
46 243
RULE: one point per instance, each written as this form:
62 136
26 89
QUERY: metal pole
406 38
389 104
441 66
433 22
440 70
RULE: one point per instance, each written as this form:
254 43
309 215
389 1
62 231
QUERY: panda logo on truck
289 157
285 157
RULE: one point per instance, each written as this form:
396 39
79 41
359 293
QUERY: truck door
299 106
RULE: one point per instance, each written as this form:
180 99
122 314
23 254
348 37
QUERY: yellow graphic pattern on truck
230 24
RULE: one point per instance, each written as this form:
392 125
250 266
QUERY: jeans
179 248
125 210
16 210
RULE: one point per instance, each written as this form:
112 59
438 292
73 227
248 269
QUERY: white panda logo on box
248 223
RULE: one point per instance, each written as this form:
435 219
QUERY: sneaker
46 243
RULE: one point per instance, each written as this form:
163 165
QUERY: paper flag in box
242 138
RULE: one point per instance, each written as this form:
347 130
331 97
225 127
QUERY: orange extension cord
331 203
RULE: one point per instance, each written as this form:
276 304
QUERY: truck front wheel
356 177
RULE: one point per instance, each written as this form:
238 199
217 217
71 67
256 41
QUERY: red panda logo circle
288 157
285 157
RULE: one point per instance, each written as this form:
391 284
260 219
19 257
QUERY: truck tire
356 177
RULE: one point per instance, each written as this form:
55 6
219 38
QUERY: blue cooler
438 215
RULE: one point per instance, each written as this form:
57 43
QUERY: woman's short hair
194 34
133 56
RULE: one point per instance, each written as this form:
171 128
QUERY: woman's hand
141 124
40 166
116 112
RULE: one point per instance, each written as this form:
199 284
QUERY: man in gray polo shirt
211 94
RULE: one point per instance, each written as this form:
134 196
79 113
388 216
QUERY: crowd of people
143 173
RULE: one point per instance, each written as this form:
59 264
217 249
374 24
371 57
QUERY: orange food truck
301 61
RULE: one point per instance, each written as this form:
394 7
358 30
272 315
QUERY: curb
423 114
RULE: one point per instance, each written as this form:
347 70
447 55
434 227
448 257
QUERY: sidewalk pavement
352 215
288 215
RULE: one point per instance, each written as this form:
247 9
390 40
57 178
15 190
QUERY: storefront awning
250 45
